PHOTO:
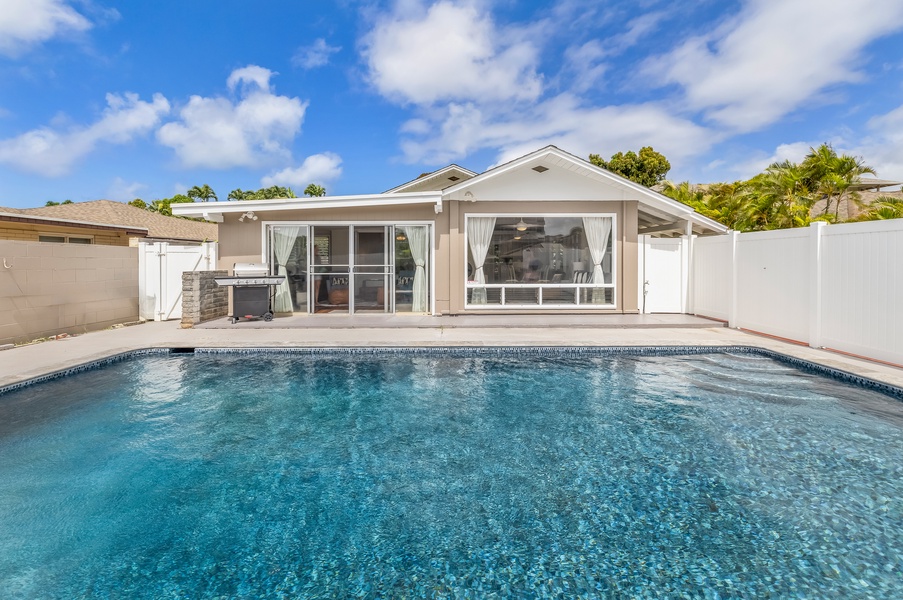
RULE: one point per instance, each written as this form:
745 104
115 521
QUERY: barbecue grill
252 291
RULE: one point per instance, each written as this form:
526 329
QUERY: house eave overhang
554 157
214 211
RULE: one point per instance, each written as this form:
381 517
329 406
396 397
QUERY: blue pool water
247 476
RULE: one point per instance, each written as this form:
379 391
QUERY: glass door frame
392 229
370 272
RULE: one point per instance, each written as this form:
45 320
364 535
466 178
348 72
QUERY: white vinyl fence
160 268
834 286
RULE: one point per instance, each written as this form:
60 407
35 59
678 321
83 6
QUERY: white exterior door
160 268
664 274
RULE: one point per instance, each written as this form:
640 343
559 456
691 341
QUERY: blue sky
120 100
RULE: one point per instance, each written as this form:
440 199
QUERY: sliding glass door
351 269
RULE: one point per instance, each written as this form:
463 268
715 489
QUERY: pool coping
464 351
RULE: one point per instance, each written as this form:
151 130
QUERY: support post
686 280
732 305
816 230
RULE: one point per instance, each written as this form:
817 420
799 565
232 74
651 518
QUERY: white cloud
562 121
124 191
315 55
585 61
218 133
475 85
250 76
774 57
318 168
24 24
882 149
450 52
51 152
754 162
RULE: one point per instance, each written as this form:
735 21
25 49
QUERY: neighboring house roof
17 215
871 183
108 212
657 213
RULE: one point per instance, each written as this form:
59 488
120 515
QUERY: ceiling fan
521 225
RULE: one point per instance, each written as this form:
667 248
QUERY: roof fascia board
199 209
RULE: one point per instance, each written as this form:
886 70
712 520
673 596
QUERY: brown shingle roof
117 213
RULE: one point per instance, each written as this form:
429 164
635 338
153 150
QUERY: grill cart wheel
268 317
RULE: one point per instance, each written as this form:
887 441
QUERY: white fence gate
664 276
160 268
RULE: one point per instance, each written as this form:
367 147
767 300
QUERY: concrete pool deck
26 362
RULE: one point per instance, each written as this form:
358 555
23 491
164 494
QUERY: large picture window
540 260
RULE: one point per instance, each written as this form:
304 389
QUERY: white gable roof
435 181
551 174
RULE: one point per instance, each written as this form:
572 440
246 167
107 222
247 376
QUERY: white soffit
214 210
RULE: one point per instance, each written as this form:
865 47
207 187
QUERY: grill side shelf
242 281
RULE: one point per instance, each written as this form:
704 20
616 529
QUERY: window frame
503 304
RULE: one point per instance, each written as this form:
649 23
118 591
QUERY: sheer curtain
597 229
479 236
283 241
418 241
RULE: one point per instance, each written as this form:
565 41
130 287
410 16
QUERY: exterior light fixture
248 215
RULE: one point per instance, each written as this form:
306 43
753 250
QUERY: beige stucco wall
48 289
243 241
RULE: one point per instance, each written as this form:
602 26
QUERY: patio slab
380 321
26 362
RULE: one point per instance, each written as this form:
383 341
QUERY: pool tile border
88 366
487 351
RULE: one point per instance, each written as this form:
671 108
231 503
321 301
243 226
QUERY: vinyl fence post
816 231
732 302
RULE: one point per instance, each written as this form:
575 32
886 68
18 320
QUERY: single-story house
104 222
547 232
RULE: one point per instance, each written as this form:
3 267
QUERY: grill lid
249 269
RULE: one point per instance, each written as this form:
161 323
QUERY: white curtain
479 236
418 240
283 241
597 229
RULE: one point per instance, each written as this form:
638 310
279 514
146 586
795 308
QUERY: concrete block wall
47 289
202 299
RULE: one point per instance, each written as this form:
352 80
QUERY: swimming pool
457 474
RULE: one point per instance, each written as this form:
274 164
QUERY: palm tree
884 207
204 192
314 190
830 176
779 198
